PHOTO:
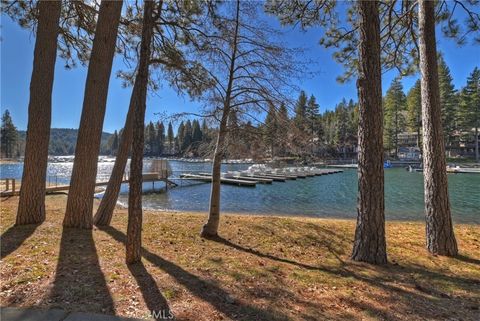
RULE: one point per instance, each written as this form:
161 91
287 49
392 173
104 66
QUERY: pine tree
160 138
135 211
196 132
341 127
9 136
370 244
284 128
170 137
271 129
115 143
180 137
439 227
352 129
31 205
187 138
394 119
448 101
311 119
414 111
82 185
300 111
233 145
150 139
469 111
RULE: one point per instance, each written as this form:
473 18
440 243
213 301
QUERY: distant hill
62 141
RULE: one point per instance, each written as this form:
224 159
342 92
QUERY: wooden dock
265 176
147 177
223 180
245 179
250 179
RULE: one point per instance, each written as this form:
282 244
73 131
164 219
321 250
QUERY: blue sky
17 57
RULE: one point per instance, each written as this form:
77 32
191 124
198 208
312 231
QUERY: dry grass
264 268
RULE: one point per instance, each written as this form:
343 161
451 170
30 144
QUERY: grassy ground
264 268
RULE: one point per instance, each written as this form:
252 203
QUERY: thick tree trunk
31 206
439 229
104 214
369 245
134 228
84 173
210 229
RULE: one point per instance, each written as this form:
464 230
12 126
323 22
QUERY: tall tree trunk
31 206
104 214
84 173
134 228
210 229
369 245
439 227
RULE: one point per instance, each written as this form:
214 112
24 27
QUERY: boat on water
464 170
411 168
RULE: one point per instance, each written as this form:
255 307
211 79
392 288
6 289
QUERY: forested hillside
62 141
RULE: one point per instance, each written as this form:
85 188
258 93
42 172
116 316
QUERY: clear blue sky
17 58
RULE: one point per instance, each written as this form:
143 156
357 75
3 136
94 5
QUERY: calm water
323 196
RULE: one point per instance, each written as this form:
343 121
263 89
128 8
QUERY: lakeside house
409 153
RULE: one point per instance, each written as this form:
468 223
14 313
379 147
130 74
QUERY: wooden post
13 185
7 184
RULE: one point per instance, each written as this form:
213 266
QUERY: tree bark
84 173
369 245
439 227
31 206
134 228
104 214
210 229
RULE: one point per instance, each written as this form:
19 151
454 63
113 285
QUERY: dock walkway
250 179
229 181
147 177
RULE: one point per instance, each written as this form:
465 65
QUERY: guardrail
10 182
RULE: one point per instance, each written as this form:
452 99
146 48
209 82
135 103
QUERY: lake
319 196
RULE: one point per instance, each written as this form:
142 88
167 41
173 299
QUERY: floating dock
223 180
258 180
251 178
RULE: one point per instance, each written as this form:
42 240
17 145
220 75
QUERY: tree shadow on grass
467 259
249 250
204 290
14 237
393 279
156 303
79 283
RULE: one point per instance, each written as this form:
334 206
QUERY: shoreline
122 206
277 215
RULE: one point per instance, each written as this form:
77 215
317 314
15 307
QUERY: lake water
321 196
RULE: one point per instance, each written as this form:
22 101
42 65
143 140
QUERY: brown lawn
264 268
